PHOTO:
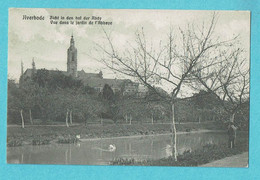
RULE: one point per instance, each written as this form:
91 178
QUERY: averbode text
25 17
78 20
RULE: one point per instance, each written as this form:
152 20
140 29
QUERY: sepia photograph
128 87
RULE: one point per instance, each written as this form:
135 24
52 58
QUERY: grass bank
205 154
17 136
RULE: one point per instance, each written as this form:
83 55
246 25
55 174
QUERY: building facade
93 80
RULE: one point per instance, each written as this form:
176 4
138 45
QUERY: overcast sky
48 43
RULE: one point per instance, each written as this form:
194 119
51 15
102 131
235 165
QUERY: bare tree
170 66
227 79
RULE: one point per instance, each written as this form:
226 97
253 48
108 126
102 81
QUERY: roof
28 73
97 80
100 82
82 75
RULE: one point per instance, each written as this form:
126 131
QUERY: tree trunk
71 117
199 118
21 112
67 124
126 118
30 112
130 119
232 118
152 118
174 135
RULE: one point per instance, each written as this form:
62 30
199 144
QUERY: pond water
96 152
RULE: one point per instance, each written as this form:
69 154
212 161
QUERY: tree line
54 97
49 97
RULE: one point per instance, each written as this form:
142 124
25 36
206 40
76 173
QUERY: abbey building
94 80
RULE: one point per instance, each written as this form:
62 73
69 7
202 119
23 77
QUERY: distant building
94 80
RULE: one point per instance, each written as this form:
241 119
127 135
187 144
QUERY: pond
97 152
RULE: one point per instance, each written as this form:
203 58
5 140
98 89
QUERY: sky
48 43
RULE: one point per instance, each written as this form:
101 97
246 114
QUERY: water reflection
104 150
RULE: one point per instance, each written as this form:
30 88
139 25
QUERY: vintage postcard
128 87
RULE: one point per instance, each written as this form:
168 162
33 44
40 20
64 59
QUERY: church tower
72 59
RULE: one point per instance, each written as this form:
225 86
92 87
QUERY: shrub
12 142
40 141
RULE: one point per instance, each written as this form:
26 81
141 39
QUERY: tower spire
21 67
72 42
33 66
33 63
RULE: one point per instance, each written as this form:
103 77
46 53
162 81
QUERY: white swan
78 136
112 148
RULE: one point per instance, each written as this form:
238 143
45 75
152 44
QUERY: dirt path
240 160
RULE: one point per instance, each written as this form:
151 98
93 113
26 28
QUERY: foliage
110 102
205 100
14 102
40 141
49 96
55 79
108 93
13 142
